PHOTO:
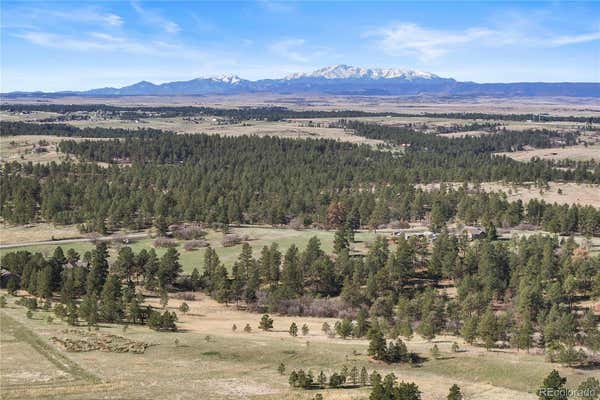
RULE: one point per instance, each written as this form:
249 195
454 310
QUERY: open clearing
578 153
258 237
36 232
28 148
571 193
221 364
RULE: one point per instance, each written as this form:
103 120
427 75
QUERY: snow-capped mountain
341 80
231 79
342 71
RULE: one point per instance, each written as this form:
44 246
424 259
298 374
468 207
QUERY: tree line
10 128
272 113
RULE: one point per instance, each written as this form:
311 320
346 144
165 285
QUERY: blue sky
65 45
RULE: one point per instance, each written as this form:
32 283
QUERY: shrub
192 245
231 239
162 322
165 242
188 231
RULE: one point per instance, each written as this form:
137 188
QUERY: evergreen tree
377 344
553 387
488 329
364 376
169 268
99 269
454 393
293 329
111 309
88 309
266 323
281 368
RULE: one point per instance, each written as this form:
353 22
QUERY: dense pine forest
201 178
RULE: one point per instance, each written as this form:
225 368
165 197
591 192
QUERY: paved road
65 241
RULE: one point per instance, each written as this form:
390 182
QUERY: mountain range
340 80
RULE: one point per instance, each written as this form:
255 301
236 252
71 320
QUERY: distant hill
341 80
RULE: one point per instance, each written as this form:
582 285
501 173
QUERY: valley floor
207 358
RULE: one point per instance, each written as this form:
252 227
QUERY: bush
162 322
195 244
188 231
231 240
165 242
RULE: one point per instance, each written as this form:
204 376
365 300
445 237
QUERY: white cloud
30 17
575 39
289 48
409 38
153 17
100 41
297 50
428 44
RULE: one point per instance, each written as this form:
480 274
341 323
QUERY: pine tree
99 269
377 344
305 330
111 309
553 387
435 351
281 368
291 274
88 309
293 329
184 308
340 240
266 323
454 393
469 329
195 280
361 328
488 329
364 376
169 268
353 375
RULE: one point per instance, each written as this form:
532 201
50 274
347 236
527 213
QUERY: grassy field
239 365
579 153
557 192
259 237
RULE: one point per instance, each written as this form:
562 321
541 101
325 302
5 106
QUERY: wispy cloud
296 50
154 17
101 41
277 6
575 39
407 38
89 15
35 17
289 48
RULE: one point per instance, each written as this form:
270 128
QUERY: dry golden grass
571 193
210 361
579 153
21 148
36 232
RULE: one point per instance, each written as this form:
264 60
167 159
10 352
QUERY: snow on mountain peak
231 79
343 71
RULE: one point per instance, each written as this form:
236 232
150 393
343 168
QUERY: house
419 234
473 232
